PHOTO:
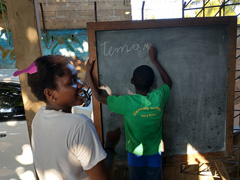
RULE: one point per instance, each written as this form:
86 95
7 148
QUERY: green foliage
4 10
3 6
214 7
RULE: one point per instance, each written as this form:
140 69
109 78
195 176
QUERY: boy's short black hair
48 68
143 78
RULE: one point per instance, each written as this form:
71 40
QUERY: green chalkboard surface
199 56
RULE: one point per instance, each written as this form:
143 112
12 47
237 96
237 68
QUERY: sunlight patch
52 174
12 123
32 35
4 37
138 150
193 156
64 52
85 46
26 157
25 175
80 50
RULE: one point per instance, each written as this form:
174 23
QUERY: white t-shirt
64 145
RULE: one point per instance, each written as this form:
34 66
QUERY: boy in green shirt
142 116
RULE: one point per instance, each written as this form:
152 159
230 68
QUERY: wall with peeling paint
72 43
7 55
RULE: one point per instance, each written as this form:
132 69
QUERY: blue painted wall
70 43
7 55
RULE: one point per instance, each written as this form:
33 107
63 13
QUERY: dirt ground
121 171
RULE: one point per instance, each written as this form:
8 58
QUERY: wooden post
222 170
23 19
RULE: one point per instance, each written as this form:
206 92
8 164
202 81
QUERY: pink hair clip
30 70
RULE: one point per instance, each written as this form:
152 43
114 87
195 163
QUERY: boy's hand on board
153 54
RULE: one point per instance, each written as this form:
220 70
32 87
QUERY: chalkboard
199 56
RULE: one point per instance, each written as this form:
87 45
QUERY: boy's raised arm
101 98
164 75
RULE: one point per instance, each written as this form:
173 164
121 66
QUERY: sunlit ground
194 157
16 162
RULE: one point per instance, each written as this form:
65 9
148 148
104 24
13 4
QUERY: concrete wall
73 14
68 14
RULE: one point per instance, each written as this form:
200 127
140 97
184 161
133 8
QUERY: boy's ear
132 80
49 93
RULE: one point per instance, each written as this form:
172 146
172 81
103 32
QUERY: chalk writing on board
110 51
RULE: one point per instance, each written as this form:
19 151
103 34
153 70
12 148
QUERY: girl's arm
101 98
103 170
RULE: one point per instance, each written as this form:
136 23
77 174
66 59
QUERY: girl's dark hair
143 78
48 68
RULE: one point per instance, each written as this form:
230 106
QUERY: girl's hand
89 66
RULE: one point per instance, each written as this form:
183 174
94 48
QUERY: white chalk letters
109 50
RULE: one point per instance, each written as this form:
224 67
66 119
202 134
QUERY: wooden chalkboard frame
93 27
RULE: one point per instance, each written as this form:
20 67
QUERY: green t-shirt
142 118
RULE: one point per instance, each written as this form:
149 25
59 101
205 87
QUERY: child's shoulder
78 120
78 116
163 87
